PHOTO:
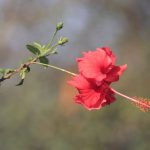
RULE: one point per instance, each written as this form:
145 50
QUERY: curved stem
55 67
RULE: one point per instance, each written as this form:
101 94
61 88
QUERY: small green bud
59 26
62 41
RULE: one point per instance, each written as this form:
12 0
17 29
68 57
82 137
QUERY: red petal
90 64
94 64
90 100
79 82
110 54
115 72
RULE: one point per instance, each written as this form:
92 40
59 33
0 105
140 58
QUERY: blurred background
41 114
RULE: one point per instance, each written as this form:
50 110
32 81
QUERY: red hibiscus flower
99 65
97 71
92 96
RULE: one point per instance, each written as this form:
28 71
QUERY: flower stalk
55 67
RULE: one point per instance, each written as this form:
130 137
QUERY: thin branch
17 70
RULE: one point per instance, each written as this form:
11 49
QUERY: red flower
97 71
92 96
99 65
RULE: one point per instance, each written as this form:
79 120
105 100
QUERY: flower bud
59 26
62 41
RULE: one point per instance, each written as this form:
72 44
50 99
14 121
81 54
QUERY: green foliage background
32 117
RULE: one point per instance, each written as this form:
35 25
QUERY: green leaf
3 72
44 60
24 71
21 82
33 49
23 74
8 71
28 69
42 48
37 45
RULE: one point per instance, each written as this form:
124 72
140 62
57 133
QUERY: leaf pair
40 51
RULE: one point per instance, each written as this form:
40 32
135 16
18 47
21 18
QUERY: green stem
55 67
51 41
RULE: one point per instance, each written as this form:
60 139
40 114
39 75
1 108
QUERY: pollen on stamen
142 103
